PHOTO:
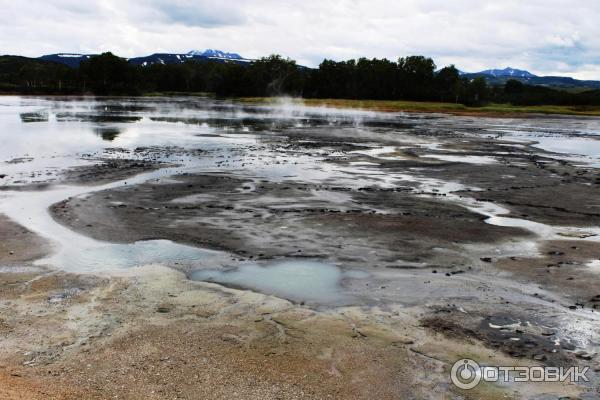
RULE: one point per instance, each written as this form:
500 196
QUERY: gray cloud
547 37
207 14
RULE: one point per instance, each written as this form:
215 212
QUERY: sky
546 37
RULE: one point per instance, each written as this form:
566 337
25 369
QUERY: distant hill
210 53
73 60
70 59
500 76
507 72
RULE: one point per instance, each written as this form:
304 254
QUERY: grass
434 107
490 110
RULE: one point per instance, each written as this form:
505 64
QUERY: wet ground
423 237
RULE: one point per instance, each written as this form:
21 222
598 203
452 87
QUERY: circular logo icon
465 374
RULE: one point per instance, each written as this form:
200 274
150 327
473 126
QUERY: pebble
164 308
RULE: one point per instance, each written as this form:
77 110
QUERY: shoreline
491 110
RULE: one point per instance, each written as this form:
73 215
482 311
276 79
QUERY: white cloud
551 36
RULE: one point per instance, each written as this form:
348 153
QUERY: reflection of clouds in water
576 137
570 145
56 144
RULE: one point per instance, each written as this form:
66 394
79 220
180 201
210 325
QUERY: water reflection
96 118
34 117
211 136
107 133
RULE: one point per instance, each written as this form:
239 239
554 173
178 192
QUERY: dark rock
164 308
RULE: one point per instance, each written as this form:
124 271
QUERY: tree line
408 78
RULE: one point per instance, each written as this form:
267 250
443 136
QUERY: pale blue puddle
101 257
585 150
307 281
570 145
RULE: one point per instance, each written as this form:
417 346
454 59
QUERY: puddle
305 281
383 153
463 159
103 257
363 164
594 266
78 253
10 269
495 214
503 322
569 145
577 139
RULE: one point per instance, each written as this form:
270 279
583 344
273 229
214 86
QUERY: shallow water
463 159
578 139
570 145
594 266
78 253
102 257
297 280
41 137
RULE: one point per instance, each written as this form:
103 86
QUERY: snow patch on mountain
211 53
511 72
72 55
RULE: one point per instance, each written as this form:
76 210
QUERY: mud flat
188 248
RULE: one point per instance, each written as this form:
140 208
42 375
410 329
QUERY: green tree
477 91
449 85
275 75
109 74
416 75
513 86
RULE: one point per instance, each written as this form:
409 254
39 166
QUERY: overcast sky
543 36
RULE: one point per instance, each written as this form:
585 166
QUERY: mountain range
492 76
501 76
73 60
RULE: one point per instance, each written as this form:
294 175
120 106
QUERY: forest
415 78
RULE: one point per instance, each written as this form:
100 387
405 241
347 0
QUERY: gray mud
482 236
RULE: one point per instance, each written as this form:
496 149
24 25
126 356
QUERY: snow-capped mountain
210 53
73 60
161 58
501 76
507 72
194 55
